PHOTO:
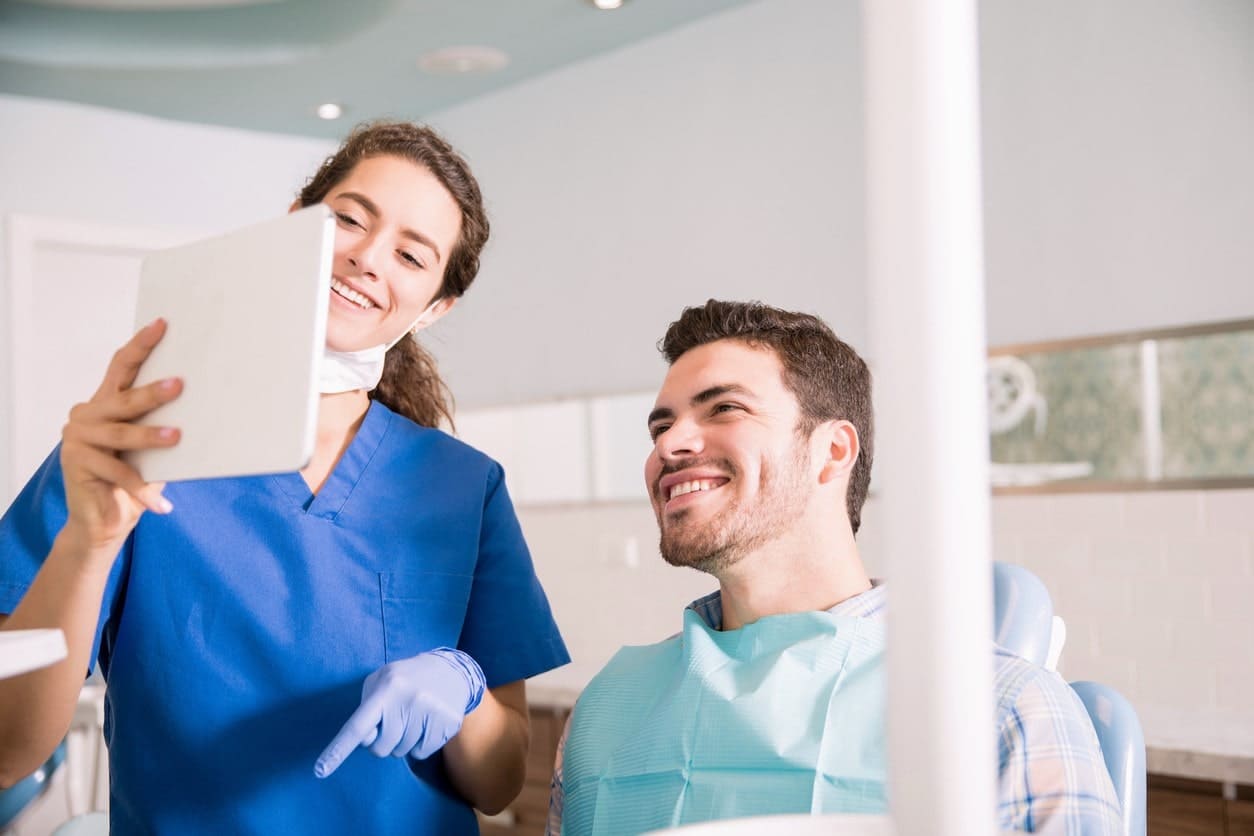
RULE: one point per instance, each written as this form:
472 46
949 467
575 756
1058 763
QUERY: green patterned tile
1207 391
1092 413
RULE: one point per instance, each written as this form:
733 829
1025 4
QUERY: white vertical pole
1151 411
927 329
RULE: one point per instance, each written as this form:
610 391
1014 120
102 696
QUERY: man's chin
702 557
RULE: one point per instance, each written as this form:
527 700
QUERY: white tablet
247 317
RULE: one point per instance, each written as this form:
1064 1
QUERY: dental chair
1023 616
1024 623
1123 749
17 798
78 759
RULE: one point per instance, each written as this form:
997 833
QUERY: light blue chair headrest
1123 748
1023 622
1022 612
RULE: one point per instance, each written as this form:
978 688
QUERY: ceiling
267 65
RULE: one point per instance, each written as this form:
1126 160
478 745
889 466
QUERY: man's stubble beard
737 531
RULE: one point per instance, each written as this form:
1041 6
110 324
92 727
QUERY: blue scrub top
235 632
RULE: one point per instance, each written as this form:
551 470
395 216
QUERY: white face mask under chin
345 371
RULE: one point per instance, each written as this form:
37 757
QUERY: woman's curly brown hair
411 384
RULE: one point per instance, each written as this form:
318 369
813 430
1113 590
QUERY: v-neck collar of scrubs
339 484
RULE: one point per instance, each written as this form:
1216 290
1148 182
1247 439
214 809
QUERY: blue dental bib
785 715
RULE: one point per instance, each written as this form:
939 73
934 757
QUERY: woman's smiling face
396 225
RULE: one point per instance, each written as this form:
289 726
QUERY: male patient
771 699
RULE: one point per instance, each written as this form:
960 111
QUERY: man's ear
839 440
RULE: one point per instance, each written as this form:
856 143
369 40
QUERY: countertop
28 650
1204 744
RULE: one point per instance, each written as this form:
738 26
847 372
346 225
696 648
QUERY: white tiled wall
606 581
1157 590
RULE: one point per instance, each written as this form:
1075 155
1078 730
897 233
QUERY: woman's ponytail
411 386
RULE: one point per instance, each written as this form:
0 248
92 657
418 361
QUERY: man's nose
682 439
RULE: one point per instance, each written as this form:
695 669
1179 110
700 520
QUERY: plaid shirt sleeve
1052 778
557 794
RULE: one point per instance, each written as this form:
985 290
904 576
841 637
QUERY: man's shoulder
1019 682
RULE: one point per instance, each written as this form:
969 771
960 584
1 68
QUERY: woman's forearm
36 707
487 760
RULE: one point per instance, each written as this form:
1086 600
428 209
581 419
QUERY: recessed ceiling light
329 110
607 5
463 60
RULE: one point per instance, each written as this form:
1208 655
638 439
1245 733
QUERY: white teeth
688 487
351 295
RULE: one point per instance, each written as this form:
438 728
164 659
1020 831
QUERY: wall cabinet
1183 807
1239 817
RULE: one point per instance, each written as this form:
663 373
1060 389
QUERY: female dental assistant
257 632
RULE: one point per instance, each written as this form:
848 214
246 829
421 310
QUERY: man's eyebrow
718 391
660 413
370 206
704 396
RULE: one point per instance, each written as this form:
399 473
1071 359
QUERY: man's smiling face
729 471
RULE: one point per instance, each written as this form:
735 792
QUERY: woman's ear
436 310
840 450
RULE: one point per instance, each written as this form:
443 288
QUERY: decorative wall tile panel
1207 386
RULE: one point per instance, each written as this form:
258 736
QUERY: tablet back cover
246 315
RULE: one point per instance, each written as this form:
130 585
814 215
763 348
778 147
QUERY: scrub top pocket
422 611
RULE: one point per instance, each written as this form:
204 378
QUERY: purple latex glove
409 707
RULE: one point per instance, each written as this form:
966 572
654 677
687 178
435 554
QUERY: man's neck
792 575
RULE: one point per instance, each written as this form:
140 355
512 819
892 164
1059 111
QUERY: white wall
1119 182
93 164
725 159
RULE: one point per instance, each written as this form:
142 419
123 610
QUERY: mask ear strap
418 323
